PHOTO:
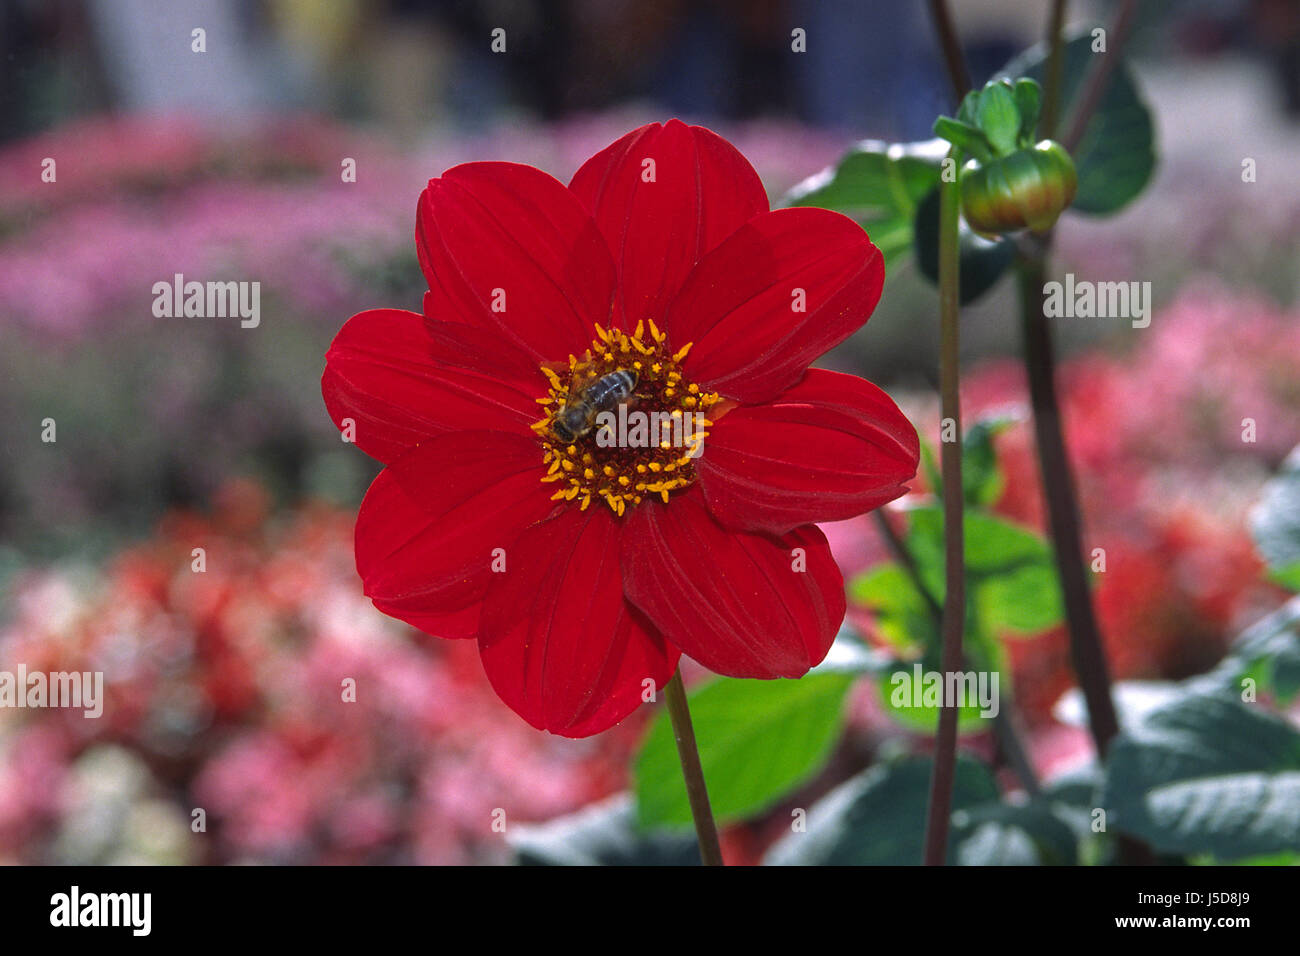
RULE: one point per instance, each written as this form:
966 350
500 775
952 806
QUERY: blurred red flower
660 259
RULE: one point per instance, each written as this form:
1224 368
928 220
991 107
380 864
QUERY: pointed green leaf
878 818
878 184
998 117
1029 104
1011 574
758 740
1207 774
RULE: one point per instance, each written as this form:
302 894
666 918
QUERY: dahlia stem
953 58
1055 69
1094 85
954 598
706 831
1086 650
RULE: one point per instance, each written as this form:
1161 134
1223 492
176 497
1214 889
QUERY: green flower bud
1028 188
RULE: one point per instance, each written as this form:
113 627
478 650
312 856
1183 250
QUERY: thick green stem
1055 70
1086 649
954 599
689 755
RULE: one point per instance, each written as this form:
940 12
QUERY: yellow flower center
621 422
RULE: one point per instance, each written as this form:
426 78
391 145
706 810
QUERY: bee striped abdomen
604 394
609 390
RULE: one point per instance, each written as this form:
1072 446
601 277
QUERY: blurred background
175 434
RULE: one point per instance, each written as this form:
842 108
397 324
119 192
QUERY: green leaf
1288 577
898 699
1012 588
758 740
964 136
878 817
905 620
1275 523
603 834
930 466
1207 774
1284 858
879 184
1073 797
981 261
1274 633
981 478
966 109
1003 834
903 617
997 116
1116 157
1011 575
1024 600
1268 651
1029 102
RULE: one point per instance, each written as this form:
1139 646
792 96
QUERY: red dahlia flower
586 569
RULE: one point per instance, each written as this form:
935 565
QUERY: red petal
703 191
381 372
832 447
429 524
482 350
560 644
734 601
739 306
509 237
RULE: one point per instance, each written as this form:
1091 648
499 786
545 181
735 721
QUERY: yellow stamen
618 473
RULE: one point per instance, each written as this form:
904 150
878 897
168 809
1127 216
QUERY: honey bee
578 414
